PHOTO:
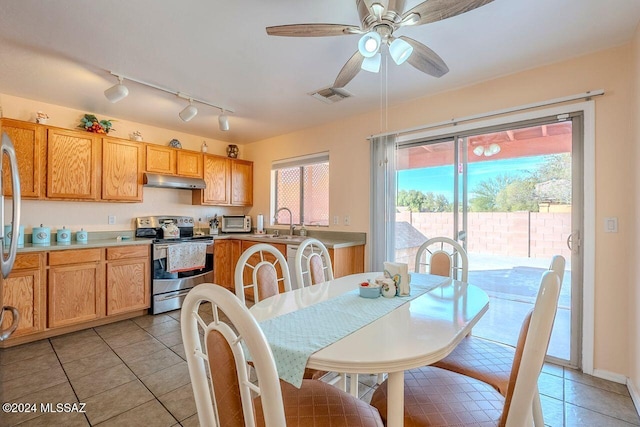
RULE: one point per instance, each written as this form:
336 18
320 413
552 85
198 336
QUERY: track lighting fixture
116 92
119 91
223 122
189 112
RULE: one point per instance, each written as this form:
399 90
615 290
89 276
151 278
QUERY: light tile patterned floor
133 373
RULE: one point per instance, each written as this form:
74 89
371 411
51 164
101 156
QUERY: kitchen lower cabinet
345 261
225 257
127 279
76 291
24 289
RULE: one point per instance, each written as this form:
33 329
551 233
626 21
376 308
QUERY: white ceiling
61 52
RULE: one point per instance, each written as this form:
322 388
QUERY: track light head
116 92
223 122
189 112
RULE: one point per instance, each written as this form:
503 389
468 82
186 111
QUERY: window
302 185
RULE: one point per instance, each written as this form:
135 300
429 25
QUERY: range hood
170 181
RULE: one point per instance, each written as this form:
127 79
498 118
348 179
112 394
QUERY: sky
439 179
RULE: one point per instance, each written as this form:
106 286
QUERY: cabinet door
28 140
345 261
128 285
189 163
76 294
23 289
241 183
216 175
225 258
72 165
121 170
160 159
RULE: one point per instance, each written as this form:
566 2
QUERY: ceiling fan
379 19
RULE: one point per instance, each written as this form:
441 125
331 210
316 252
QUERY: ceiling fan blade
425 60
437 10
349 70
312 30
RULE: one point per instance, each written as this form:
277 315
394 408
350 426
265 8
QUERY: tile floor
133 373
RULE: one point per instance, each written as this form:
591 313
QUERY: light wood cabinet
24 289
189 163
225 257
229 182
160 159
127 279
241 183
122 164
72 165
76 291
345 261
28 140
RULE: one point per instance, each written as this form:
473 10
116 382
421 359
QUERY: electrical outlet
336 220
112 220
611 224
347 220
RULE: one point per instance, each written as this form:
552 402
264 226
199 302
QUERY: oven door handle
175 295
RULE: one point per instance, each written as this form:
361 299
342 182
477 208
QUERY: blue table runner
295 336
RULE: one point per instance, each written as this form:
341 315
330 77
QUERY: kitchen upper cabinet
122 164
76 291
72 164
241 183
24 289
225 257
189 163
28 141
128 278
229 182
160 159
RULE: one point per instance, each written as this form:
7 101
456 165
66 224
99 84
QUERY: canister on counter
41 235
7 235
63 236
82 236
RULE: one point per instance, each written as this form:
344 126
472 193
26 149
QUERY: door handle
570 242
14 325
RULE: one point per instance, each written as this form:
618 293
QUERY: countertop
333 240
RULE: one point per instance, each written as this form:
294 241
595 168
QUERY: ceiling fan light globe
494 148
188 113
478 151
116 92
369 44
400 51
372 64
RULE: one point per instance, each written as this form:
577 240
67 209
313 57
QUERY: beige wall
609 70
634 280
93 216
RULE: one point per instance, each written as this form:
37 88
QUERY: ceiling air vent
331 95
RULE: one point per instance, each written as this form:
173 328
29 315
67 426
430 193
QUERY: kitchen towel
186 257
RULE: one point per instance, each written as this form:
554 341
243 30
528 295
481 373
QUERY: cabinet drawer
127 252
76 256
24 261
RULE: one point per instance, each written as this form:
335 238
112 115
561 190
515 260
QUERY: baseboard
610 376
635 394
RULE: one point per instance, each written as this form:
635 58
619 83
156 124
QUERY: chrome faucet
291 227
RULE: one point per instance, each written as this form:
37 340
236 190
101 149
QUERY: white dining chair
444 257
263 270
492 362
312 263
435 396
217 350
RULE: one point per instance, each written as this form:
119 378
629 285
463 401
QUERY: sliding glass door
508 195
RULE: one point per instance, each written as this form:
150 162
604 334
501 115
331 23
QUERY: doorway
512 196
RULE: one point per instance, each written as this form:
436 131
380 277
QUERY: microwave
236 224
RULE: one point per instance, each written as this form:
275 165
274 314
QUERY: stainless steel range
181 260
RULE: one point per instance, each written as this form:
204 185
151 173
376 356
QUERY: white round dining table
417 333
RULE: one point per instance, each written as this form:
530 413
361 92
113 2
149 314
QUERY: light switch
111 219
611 224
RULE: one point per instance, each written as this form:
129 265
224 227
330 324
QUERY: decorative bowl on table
369 290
